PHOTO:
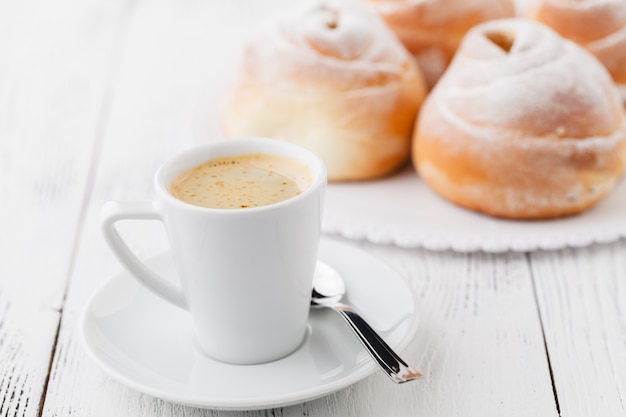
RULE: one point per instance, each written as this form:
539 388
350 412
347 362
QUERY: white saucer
146 343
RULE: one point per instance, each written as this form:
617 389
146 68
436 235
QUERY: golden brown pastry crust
335 79
523 125
432 29
598 26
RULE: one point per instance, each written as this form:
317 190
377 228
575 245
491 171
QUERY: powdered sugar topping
343 38
536 85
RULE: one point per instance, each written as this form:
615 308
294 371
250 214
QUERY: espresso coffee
242 181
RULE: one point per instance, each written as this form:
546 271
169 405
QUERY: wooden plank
479 342
582 297
53 63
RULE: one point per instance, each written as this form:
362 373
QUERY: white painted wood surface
95 94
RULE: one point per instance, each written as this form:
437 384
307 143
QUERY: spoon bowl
328 286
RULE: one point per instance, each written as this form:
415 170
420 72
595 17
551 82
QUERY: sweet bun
333 78
432 29
523 125
598 26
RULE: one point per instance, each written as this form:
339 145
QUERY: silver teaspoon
328 290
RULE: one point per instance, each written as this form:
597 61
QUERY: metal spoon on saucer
328 289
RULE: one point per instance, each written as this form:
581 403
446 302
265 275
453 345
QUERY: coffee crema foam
242 181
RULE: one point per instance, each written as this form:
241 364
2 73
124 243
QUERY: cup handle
112 212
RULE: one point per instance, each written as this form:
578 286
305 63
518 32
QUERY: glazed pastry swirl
524 124
334 78
339 45
432 29
598 26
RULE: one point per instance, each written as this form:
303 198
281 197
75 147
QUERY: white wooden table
94 94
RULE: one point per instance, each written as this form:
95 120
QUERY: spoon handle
396 368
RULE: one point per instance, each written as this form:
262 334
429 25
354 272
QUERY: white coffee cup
245 274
